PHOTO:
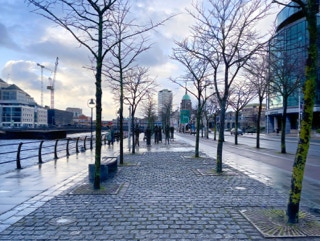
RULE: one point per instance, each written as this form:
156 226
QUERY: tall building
18 109
164 103
290 45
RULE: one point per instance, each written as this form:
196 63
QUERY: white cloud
28 39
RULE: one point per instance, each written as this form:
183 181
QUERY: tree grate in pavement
271 223
213 172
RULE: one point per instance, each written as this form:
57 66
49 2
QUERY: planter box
103 172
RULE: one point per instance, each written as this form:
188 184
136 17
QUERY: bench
111 162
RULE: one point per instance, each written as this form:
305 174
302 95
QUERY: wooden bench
111 162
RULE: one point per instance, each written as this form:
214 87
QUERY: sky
28 39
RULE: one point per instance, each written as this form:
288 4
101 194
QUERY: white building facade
164 99
164 106
18 109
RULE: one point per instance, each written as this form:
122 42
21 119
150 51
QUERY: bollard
84 143
77 146
55 149
39 153
67 149
18 156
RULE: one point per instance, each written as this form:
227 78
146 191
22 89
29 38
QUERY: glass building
288 53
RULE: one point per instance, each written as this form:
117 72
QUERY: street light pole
91 105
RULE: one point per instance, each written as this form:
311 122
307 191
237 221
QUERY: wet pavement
161 193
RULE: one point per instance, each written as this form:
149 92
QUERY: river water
29 154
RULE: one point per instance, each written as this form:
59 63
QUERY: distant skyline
28 39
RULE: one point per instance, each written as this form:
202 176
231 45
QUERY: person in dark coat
156 134
167 134
148 136
136 133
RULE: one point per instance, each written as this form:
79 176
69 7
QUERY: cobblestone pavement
162 195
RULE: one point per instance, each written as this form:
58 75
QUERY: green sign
184 116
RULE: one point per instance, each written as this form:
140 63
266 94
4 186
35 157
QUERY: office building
18 109
289 48
164 104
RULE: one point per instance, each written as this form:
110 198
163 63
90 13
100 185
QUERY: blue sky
27 39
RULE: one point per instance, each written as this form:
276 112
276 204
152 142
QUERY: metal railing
44 150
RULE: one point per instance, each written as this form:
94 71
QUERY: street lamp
91 105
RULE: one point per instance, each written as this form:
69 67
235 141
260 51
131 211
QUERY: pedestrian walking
112 135
156 134
137 133
171 132
167 134
109 138
148 136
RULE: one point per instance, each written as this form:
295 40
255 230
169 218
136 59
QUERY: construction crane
51 83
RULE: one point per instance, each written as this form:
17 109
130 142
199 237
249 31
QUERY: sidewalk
161 193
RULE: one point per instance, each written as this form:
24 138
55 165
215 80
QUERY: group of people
157 131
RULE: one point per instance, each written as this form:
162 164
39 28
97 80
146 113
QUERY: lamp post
91 105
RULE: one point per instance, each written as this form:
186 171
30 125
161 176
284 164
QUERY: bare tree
241 94
228 35
88 22
196 72
285 78
258 73
212 111
309 9
137 88
131 42
149 110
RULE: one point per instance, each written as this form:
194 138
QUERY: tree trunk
133 133
236 128
99 60
283 125
258 123
221 138
207 127
121 133
215 127
309 92
198 129
121 108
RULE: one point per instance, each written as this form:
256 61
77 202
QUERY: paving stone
164 199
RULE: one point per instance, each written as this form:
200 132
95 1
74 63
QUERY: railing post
68 154
55 149
18 156
84 143
40 154
77 146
